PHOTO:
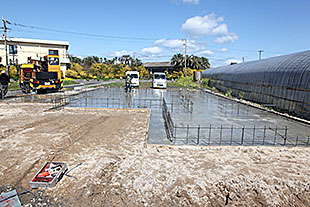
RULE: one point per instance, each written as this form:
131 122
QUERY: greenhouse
280 82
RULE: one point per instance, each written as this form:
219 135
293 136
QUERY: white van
159 80
135 78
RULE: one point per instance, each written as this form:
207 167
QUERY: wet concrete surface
210 120
213 120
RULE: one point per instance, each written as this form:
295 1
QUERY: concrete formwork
210 120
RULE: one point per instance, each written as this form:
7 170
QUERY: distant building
158 66
20 49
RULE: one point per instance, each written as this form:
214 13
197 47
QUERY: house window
13 49
53 52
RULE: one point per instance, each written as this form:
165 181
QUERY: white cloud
118 53
177 45
206 53
191 1
173 45
229 61
201 26
208 25
224 49
151 50
230 37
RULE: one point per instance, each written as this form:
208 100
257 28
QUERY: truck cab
159 80
41 75
134 78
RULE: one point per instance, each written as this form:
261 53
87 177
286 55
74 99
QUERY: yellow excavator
41 75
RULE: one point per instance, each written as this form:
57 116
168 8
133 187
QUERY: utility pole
5 45
185 44
260 54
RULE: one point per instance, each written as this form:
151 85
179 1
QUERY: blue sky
221 30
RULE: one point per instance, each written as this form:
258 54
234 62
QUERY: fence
167 121
186 102
108 102
228 135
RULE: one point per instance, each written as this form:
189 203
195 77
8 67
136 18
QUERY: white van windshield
160 76
134 76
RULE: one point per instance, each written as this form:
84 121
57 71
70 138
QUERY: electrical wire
213 46
84 34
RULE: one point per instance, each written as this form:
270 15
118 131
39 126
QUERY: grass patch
70 82
186 82
14 85
145 84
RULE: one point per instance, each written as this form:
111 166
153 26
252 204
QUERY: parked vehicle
159 80
134 78
41 75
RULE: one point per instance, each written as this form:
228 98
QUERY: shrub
206 82
83 75
228 93
241 95
13 72
72 73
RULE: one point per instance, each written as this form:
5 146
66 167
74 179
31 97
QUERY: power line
215 47
83 34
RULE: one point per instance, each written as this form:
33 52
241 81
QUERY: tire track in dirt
9 132
79 133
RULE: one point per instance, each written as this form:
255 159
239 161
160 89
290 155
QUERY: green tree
143 72
88 61
13 72
178 61
74 59
72 73
192 63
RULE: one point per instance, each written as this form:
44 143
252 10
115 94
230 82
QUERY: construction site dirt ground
120 169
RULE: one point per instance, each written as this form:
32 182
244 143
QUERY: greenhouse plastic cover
270 80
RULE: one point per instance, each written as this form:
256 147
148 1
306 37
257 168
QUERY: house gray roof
158 64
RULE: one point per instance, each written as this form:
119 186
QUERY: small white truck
159 80
135 78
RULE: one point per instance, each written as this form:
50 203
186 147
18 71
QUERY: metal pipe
242 135
253 135
264 136
198 135
231 134
187 134
210 134
221 134
275 136
285 135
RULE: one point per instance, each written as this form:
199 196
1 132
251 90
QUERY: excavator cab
42 75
